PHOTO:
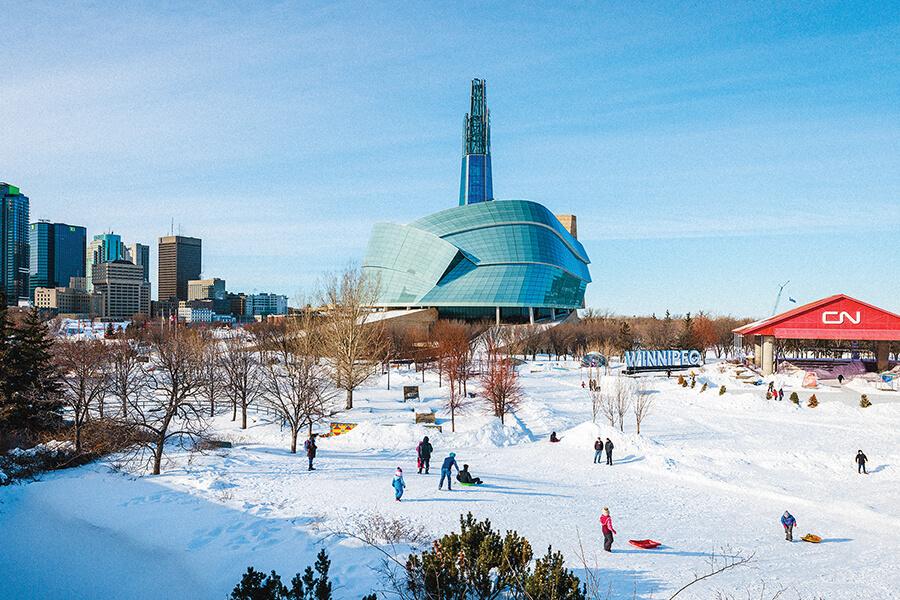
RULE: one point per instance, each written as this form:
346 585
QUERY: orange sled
645 544
813 539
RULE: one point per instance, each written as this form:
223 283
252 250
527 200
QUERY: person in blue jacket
399 484
447 471
788 520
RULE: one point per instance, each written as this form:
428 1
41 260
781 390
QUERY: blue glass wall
57 254
476 182
14 244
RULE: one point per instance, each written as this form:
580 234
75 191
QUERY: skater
861 462
606 525
788 520
465 476
423 453
399 484
310 447
609 449
447 471
598 451
553 437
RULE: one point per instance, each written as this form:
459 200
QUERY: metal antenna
778 297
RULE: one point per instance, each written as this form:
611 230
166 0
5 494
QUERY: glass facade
507 253
476 181
57 254
14 244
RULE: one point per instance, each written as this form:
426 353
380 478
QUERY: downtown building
180 260
14 246
122 290
58 253
510 261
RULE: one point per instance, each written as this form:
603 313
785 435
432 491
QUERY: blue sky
709 153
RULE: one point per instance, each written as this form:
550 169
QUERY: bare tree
352 339
643 404
212 384
603 402
622 397
243 375
83 367
127 379
500 384
171 410
454 353
297 383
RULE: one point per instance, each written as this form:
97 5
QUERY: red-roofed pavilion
837 317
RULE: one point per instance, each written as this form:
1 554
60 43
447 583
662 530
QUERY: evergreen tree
688 339
552 581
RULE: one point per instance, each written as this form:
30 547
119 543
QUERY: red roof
837 317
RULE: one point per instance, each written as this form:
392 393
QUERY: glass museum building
512 261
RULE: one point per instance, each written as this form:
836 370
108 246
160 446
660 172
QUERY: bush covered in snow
21 463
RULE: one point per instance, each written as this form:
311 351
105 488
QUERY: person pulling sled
423 455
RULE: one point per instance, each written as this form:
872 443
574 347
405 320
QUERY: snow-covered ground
708 472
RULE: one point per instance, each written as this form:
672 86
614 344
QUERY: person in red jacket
608 531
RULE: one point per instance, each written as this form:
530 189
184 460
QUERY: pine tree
813 401
864 401
795 398
722 390
551 579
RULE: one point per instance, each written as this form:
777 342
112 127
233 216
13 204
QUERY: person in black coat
310 446
598 451
424 450
861 462
609 449
465 476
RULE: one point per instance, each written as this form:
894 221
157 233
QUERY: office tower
105 247
475 182
14 245
139 254
206 289
179 262
57 254
265 305
122 289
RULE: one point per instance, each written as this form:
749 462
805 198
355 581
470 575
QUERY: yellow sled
813 539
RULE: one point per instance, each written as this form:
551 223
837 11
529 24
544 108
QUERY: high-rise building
57 254
105 247
179 262
122 289
14 245
139 254
475 181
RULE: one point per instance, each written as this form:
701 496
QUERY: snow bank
401 437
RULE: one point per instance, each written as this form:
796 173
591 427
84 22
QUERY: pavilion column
881 355
552 314
531 315
498 316
757 351
768 355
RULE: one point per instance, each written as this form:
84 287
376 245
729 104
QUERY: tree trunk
452 420
234 410
157 456
389 374
294 432
349 404
77 438
244 414
101 408
212 407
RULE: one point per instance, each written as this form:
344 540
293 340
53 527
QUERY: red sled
419 463
645 544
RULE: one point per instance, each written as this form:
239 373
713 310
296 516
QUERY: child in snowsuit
399 484
423 453
598 450
310 447
447 471
465 476
609 449
788 520
606 525
861 462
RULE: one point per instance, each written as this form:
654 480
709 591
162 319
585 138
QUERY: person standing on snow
399 484
609 449
788 520
310 447
606 525
423 453
447 471
861 462
598 451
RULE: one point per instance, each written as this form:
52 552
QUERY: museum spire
475 177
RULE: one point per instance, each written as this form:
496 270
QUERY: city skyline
692 159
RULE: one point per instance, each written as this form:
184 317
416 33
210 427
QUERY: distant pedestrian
609 448
598 451
781 393
606 525
553 437
582 384
861 462
399 484
841 379
447 471
310 447
423 455
788 521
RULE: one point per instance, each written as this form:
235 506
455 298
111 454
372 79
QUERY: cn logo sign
834 317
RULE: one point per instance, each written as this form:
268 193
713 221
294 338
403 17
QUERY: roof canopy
838 317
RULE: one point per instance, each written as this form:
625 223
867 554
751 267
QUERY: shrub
864 401
703 389
795 398
722 390
312 585
813 401
681 380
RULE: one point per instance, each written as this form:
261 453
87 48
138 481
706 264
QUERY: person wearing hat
310 447
447 471
423 454
606 525
788 522
399 484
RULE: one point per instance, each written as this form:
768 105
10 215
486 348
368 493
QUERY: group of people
424 450
773 393
599 447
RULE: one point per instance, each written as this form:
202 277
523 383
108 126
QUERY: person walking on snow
423 453
310 447
399 484
598 451
606 525
861 462
609 449
788 520
447 471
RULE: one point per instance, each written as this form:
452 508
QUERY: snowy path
707 472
